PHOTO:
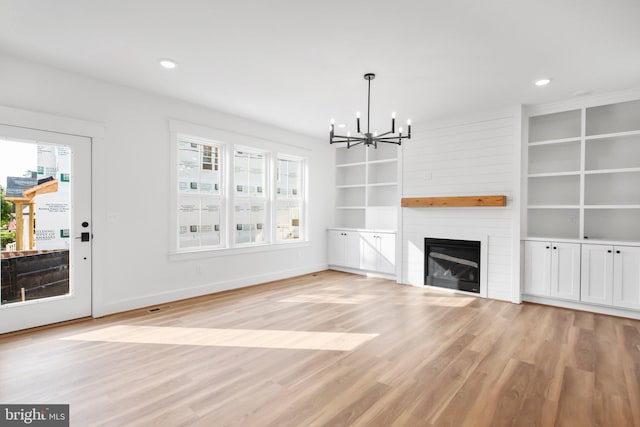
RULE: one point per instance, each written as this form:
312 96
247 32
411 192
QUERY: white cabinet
552 269
370 251
378 252
626 277
597 274
611 275
344 248
537 268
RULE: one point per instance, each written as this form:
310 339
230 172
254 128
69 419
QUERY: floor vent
157 309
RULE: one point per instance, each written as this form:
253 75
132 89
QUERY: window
288 198
235 192
250 198
200 194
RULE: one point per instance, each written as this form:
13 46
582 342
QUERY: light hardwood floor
406 356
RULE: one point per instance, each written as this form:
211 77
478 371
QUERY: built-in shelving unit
582 186
583 174
367 195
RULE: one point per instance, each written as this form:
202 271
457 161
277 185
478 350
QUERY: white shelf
382 184
351 186
553 206
605 171
374 162
555 141
551 174
583 174
613 135
612 206
349 165
367 187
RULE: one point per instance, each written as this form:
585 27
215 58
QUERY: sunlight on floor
331 298
301 340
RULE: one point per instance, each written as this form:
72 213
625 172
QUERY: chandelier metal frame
369 138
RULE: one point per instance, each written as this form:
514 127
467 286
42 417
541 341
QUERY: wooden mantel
453 202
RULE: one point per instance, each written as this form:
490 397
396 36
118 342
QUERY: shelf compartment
612 188
549 158
553 223
383 172
613 153
345 155
352 175
381 218
612 224
382 196
613 118
383 152
561 125
350 218
554 190
350 196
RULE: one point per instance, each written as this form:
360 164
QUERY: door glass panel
35 181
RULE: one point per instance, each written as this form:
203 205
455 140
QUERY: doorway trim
95 131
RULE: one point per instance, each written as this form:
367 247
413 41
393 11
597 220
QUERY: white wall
132 185
467 156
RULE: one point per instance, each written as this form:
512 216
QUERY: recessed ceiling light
168 64
542 82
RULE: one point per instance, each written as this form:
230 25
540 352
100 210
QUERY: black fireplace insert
453 264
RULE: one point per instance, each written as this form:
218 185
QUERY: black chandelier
368 138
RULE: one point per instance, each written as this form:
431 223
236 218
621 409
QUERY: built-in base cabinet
591 273
344 248
552 269
362 250
611 275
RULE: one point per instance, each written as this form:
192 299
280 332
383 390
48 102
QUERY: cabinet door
336 246
597 274
626 277
387 253
352 249
565 270
537 268
369 251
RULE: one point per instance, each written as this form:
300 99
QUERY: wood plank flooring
429 359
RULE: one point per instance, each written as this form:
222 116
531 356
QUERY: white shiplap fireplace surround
469 156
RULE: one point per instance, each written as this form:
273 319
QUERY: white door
597 274
369 251
626 277
352 250
336 247
387 254
565 270
46 247
537 268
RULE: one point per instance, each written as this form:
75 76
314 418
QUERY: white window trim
230 141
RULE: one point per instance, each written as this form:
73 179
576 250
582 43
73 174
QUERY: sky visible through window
16 158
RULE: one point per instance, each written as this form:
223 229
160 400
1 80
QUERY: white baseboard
611 311
100 310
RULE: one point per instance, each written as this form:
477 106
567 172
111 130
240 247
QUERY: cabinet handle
547 247
555 247
617 252
609 251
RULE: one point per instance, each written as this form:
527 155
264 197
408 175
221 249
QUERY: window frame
229 143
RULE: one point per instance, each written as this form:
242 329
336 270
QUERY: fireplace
453 264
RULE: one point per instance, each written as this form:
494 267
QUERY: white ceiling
297 63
